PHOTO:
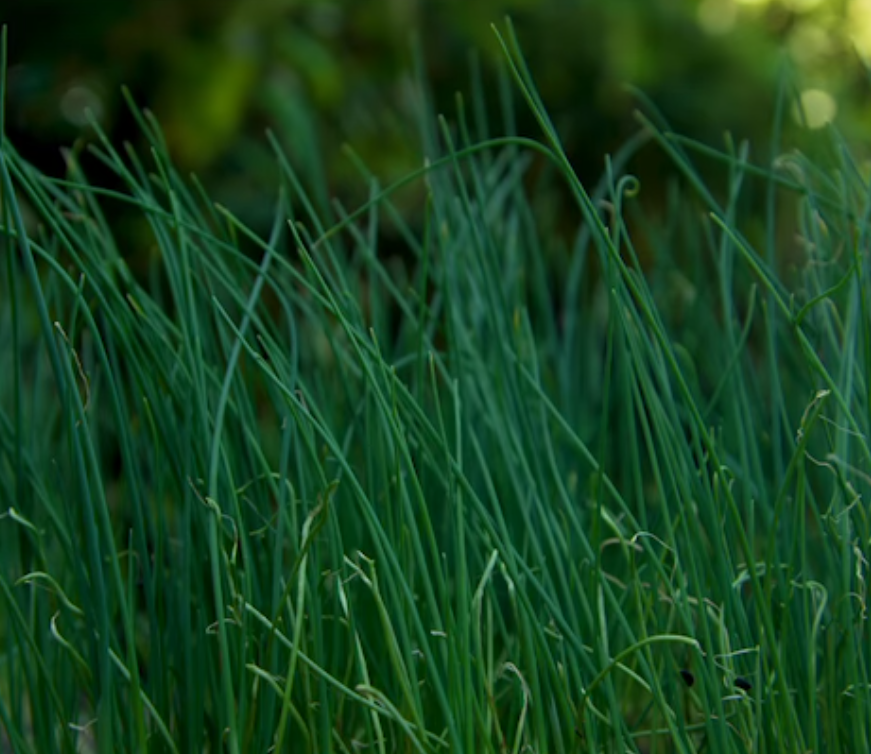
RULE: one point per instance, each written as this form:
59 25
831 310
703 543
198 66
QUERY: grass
497 493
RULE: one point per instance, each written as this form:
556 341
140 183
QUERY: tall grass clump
496 492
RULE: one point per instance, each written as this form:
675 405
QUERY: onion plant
500 487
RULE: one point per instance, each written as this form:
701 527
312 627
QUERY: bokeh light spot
77 101
859 26
716 16
808 43
815 108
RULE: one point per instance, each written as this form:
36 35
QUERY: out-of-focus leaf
202 105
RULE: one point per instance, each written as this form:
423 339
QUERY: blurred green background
218 73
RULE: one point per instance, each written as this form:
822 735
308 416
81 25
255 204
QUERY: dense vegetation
499 487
